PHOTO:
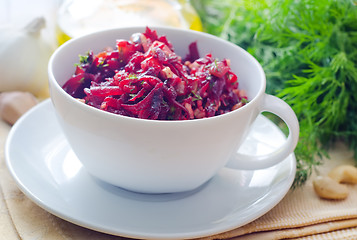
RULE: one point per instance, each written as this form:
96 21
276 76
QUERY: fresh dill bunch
308 49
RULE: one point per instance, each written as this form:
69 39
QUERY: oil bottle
79 17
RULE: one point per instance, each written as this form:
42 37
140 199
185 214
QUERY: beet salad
144 78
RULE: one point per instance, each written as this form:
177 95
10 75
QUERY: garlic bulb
14 104
24 56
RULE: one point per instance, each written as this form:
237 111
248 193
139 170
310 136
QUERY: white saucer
48 172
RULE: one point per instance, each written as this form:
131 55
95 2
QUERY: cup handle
252 162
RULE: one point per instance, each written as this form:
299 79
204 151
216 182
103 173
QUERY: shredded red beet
144 78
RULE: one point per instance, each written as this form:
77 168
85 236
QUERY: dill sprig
308 50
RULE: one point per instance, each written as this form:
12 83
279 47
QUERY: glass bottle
78 17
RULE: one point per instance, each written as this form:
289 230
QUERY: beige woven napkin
300 215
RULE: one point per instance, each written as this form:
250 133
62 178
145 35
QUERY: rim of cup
162 31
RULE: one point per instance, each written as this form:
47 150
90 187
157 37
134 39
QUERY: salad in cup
155 116
144 78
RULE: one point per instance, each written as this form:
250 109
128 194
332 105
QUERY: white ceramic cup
155 156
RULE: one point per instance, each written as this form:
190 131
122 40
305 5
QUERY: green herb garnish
196 96
83 59
134 76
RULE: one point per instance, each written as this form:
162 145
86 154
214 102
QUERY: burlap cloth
300 215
